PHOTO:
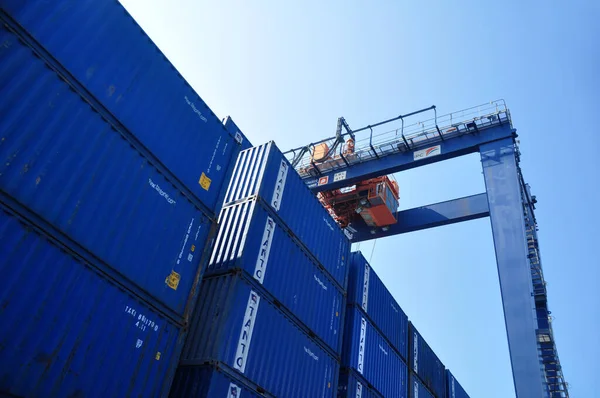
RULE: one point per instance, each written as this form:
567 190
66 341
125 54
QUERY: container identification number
142 322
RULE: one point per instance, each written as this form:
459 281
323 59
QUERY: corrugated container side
369 353
251 240
417 389
234 325
66 163
425 364
264 171
211 381
368 291
353 385
69 331
108 53
454 389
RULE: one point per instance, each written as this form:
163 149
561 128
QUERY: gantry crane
347 169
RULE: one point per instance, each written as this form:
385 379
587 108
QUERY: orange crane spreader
374 200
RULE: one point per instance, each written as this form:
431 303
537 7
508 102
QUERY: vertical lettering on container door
365 290
234 391
264 250
359 389
279 185
415 353
415 389
361 346
246 333
453 391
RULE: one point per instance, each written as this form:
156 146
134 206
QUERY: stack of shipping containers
112 174
427 372
379 341
112 171
453 387
375 337
270 310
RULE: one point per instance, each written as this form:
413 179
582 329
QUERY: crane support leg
508 228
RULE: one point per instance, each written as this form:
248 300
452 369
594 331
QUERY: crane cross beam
340 175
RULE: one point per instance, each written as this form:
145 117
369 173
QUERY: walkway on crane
408 137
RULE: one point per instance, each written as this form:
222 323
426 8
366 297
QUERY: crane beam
424 217
372 167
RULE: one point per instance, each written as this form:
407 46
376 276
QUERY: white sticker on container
279 185
361 346
265 249
365 290
234 391
238 137
245 339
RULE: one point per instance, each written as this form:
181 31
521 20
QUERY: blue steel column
508 228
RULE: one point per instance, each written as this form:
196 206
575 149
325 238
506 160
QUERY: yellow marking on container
193 247
204 182
328 384
157 357
337 313
173 280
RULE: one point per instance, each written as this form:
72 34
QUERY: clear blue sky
287 72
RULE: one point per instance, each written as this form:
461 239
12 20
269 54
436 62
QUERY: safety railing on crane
371 142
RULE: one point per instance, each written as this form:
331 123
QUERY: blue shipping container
251 239
234 325
454 389
264 171
106 51
211 381
63 160
425 364
417 389
69 331
368 291
353 385
368 352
